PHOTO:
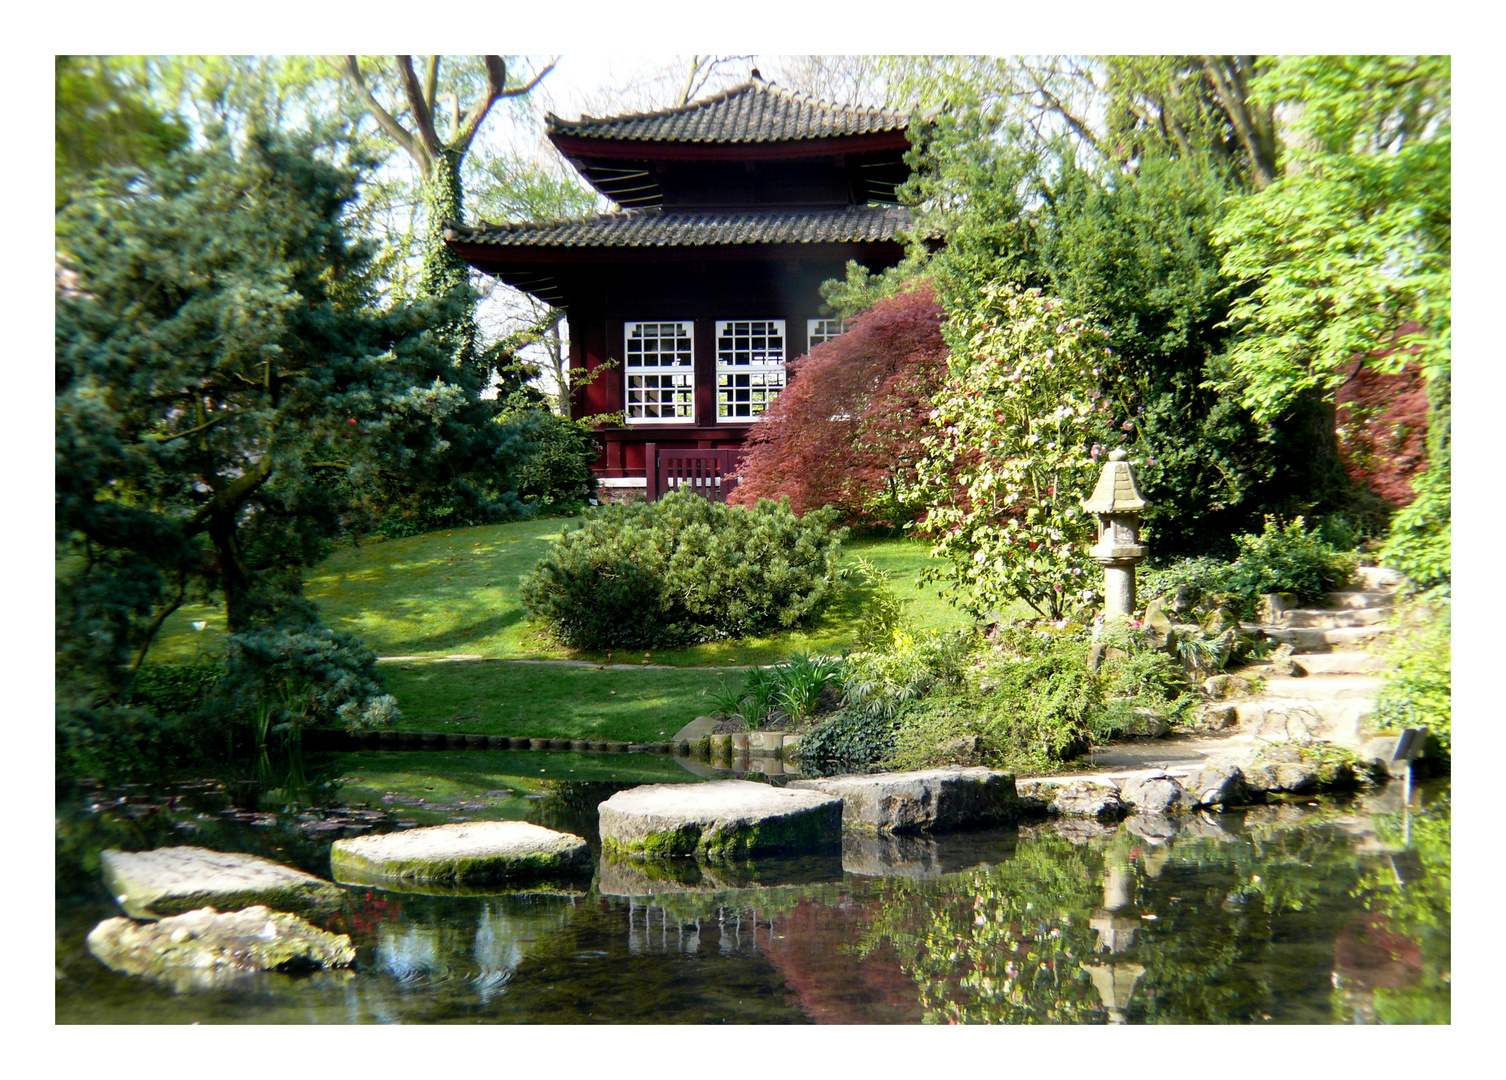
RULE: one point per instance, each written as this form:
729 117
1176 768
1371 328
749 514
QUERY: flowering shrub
1018 429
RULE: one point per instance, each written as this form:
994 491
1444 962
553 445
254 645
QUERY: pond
1308 912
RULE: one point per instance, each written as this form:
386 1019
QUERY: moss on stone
464 870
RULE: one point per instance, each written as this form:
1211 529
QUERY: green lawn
456 592
547 700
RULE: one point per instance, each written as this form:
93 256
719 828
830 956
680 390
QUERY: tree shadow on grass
459 639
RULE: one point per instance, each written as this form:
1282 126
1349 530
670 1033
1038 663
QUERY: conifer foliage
846 431
227 387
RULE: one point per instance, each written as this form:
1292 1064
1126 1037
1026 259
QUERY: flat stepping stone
466 853
926 800
722 819
173 880
205 948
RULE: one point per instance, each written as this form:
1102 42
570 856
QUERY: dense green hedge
684 569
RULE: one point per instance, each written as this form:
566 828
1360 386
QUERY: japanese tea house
734 210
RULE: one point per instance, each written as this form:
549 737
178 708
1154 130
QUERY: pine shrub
684 569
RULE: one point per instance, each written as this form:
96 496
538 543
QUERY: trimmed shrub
174 689
561 451
684 569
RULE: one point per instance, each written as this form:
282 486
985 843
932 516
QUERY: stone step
1348 662
1324 619
1293 720
1317 639
921 801
1359 599
1379 578
725 819
174 880
1326 687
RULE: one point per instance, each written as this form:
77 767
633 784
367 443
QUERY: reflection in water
1115 927
1282 914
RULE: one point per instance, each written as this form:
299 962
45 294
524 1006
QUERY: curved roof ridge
756 110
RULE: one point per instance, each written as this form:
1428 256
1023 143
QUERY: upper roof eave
752 112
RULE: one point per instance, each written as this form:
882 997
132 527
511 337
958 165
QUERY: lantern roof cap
1116 492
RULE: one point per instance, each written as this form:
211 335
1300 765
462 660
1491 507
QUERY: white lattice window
749 368
818 331
660 373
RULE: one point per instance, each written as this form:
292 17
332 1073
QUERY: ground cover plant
1022 698
1285 557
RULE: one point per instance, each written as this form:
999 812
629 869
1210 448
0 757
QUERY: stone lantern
1117 503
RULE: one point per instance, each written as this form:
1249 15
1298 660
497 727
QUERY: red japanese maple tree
846 431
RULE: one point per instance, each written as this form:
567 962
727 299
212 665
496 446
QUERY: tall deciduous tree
438 133
1348 255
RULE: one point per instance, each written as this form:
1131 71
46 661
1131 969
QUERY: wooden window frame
755 366
681 372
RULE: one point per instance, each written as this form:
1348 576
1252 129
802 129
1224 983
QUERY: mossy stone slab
720 820
205 948
466 853
925 800
174 880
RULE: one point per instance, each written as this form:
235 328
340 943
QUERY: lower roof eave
499 260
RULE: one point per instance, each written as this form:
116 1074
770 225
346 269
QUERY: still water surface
1320 912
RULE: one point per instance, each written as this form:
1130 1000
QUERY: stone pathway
1325 698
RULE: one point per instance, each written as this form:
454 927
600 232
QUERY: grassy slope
547 700
456 592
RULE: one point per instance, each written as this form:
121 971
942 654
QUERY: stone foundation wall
616 493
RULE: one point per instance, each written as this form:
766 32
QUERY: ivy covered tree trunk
445 274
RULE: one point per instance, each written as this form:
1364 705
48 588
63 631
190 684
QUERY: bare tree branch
519 91
184 434
1228 85
1057 106
496 83
431 81
350 67
423 119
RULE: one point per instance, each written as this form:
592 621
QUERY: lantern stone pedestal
1117 503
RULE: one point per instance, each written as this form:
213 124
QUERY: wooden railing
708 473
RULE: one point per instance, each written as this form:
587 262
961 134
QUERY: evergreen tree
227 393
